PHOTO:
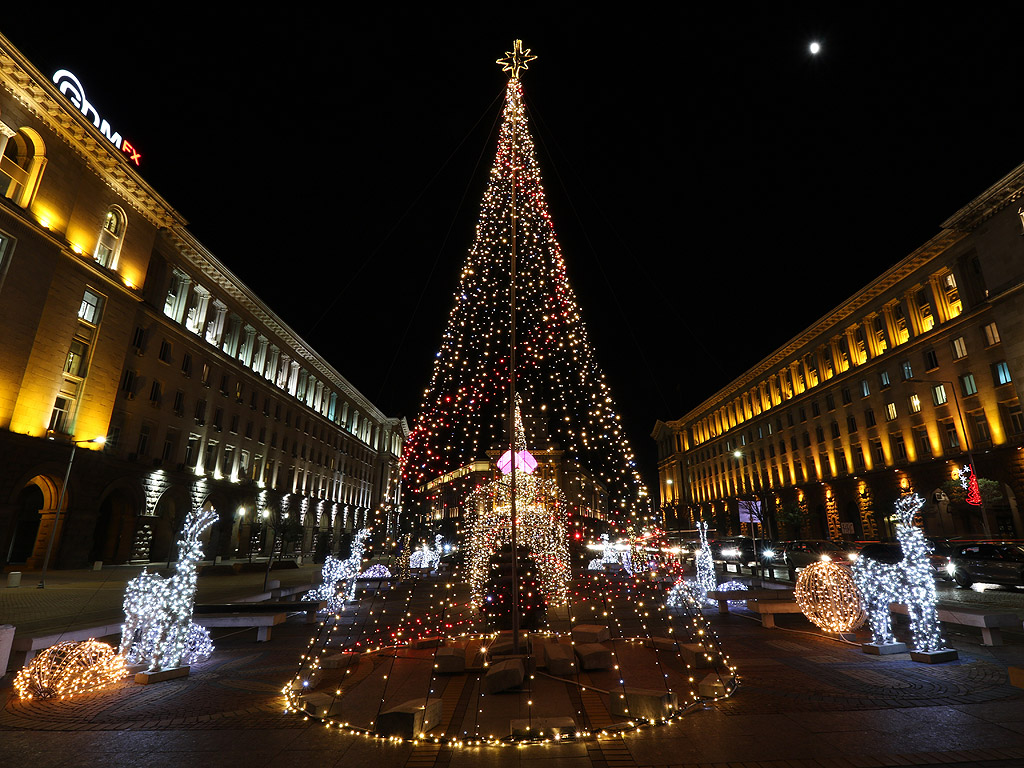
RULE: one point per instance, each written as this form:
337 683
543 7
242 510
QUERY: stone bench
643 704
560 659
724 596
711 687
290 593
768 609
419 643
450 661
989 622
504 675
341 660
409 719
262 621
593 656
590 633
25 647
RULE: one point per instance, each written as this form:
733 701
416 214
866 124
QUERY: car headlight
826 559
852 557
768 554
950 568
730 553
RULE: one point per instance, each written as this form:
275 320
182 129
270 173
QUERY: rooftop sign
72 89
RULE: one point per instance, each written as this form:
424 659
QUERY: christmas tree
465 409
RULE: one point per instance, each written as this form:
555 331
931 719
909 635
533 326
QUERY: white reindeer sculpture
425 557
335 570
909 582
705 581
158 611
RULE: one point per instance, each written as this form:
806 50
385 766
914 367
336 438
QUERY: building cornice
1007 190
40 96
210 268
835 321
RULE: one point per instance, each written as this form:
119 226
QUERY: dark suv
988 563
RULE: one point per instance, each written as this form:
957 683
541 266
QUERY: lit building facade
119 325
883 396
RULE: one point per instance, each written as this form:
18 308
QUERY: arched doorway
114 534
35 514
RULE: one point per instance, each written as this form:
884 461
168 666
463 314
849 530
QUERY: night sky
716 188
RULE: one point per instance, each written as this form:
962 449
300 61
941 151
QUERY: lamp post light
967 444
60 504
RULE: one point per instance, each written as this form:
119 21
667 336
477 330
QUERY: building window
981 430
991 334
78 358
967 384
803 414
815 409
154 393
939 394
847 398
1001 373
1014 418
142 448
879 330
138 340
890 411
186 365
851 424
234 423
906 370
959 348
858 456
819 433
865 388
931 360
884 378
108 244
165 351
915 403
924 309
200 413
841 467
218 419
830 402
835 429
22 159
952 438
924 443
879 453
128 384
952 293
60 417
899 448
869 417
179 403
91 308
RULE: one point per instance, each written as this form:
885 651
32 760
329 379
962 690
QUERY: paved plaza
804 700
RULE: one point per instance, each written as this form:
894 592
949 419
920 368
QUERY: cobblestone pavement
804 701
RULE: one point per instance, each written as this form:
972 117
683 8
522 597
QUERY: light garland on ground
910 582
68 669
158 627
829 598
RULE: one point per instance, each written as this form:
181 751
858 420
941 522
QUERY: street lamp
60 504
967 444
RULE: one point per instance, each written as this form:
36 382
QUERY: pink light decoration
524 462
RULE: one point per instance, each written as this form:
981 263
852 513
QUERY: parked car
799 554
987 563
942 550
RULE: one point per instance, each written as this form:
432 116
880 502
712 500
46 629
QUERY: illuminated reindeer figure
705 581
158 611
335 570
909 582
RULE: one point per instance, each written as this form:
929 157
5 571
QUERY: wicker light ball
828 597
69 668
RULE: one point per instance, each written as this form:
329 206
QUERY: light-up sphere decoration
733 586
378 571
829 598
70 668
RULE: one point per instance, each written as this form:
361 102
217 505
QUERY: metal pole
56 518
512 405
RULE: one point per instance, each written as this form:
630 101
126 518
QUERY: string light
68 669
829 598
462 414
335 571
158 627
910 582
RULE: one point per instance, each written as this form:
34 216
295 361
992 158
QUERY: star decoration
516 59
